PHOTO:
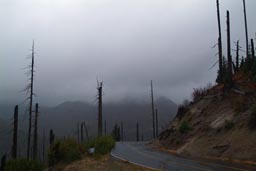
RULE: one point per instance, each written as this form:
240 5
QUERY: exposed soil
219 125
105 163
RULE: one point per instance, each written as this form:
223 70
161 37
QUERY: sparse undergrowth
102 145
184 127
68 150
105 163
229 124
23 165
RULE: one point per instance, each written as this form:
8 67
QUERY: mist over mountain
64 119
69 114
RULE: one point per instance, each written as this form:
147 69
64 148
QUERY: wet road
143 155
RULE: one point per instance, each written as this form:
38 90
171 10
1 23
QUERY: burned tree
43 150
15 133
237 55
29 90
253 51
82 133
153 110
122 132
78 132
156 123
99 88
229 69
220 79
86 131
246 29
3 162
35 134
116 132
51 137
105 127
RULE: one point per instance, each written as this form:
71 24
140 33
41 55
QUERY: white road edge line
141 165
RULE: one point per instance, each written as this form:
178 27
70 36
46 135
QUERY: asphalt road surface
143 155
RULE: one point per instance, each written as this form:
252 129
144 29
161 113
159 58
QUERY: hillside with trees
220 121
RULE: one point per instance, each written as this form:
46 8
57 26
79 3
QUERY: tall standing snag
43 147
35 134
86 131
237 55
229 52
99 88
153 110
122 131
219 44
15 133
51 137
30 90
253 51
246 29
105 127
82 133
156 123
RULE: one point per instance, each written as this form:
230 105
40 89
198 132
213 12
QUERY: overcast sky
125 43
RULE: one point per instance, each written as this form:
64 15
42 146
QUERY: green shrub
229 124
102 145
177 142
67 150
23 165
184 127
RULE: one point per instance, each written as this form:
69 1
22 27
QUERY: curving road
140 154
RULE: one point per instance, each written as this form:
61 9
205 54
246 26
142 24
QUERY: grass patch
105 163
23 165
229 124
184 127
103 145
67 150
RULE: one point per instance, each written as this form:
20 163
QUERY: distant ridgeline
64 119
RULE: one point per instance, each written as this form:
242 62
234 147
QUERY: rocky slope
216 125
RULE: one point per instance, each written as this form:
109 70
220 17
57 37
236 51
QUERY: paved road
141 154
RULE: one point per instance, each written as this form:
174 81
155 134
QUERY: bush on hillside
184 127
23 165
229 124
67 150
200 92
102 145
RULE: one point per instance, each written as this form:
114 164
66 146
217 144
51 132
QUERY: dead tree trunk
78 133
219 44
105 127
122 131
229 53
237 55
153 110
156 123
82 133
15 133
137 132
30 88
43 147
35 134
51 137
253 51
86 131
3 162
246 29
99 109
